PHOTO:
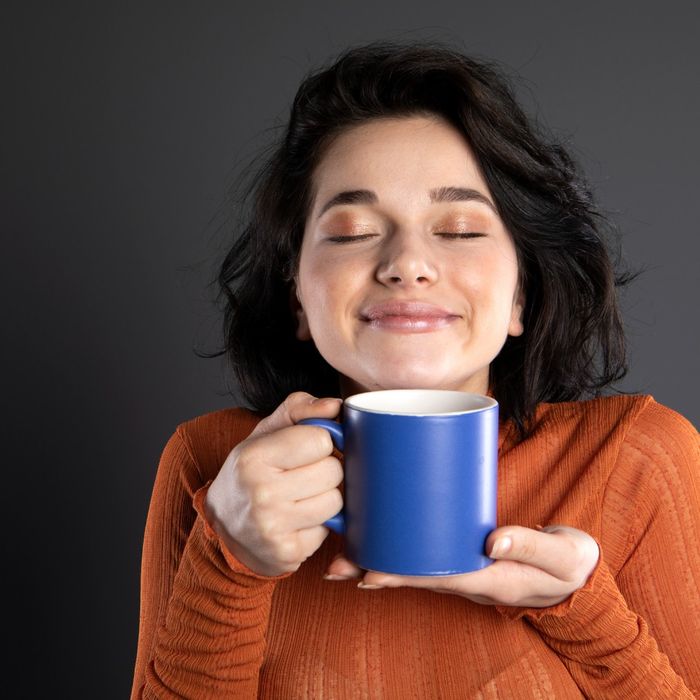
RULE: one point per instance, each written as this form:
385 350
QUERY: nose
406 262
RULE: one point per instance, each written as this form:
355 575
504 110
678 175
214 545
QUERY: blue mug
420 480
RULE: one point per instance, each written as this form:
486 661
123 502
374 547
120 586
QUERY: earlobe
303 330
516 326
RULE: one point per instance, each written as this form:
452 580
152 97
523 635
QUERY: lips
408 316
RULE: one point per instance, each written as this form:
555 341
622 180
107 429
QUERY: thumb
296 407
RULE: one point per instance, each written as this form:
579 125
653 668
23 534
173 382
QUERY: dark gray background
124 124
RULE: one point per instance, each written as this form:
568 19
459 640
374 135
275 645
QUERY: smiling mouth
408 317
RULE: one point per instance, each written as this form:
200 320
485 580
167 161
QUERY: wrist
233 551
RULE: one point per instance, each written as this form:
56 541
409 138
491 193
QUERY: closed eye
351 239
454 236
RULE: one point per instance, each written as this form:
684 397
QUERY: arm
634 629
629 625
658 479
207 589
203 614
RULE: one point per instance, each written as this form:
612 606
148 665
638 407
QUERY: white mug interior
420 402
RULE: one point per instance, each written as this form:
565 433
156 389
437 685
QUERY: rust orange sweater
624 469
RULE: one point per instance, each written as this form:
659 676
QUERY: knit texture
624 469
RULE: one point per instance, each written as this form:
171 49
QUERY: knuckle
237 454
288 553
294 400
575 548
316 537
585 557
261 496
267 526
335 501
310 540
245 456
296 397
526 549
323 441
246 475
335 471
283 414
316 440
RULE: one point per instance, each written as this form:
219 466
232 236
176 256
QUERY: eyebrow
441 194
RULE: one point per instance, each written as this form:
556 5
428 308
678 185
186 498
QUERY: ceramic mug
420 480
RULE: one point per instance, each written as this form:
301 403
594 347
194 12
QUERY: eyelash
444 234
350 239
451 236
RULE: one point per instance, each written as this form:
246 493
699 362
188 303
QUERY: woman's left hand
533 568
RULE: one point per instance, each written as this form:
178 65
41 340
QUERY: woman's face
407 276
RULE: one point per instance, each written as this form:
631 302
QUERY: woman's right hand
276 488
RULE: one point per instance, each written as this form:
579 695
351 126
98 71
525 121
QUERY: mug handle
337 522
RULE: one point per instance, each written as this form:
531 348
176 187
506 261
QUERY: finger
289 448
296 407
439 584
294 551
281 416
562 552
502 583
311 538
586 549
311 479
342 569
313 511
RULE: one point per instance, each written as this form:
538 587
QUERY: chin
412 380
421 376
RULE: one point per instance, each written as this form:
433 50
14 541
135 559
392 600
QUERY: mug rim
484 403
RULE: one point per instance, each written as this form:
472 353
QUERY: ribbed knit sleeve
204 614
624 469
635 632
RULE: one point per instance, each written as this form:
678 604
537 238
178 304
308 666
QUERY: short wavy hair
573 343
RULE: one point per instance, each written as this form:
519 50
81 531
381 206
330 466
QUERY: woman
412 230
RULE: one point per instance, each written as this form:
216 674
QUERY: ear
515 327
303 331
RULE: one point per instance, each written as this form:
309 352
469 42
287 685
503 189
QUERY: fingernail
335 577
501 546
368 586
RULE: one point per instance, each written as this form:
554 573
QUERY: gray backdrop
124 124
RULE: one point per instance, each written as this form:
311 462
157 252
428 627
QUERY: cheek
327 303
489 282
334 279
502 271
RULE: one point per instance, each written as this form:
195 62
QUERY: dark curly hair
573 344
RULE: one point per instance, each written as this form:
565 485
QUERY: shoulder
655 480
224 422
601 411
210 437
663 445
588 424
641 458
629 419
661 426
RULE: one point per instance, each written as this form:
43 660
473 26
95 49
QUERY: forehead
412 153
